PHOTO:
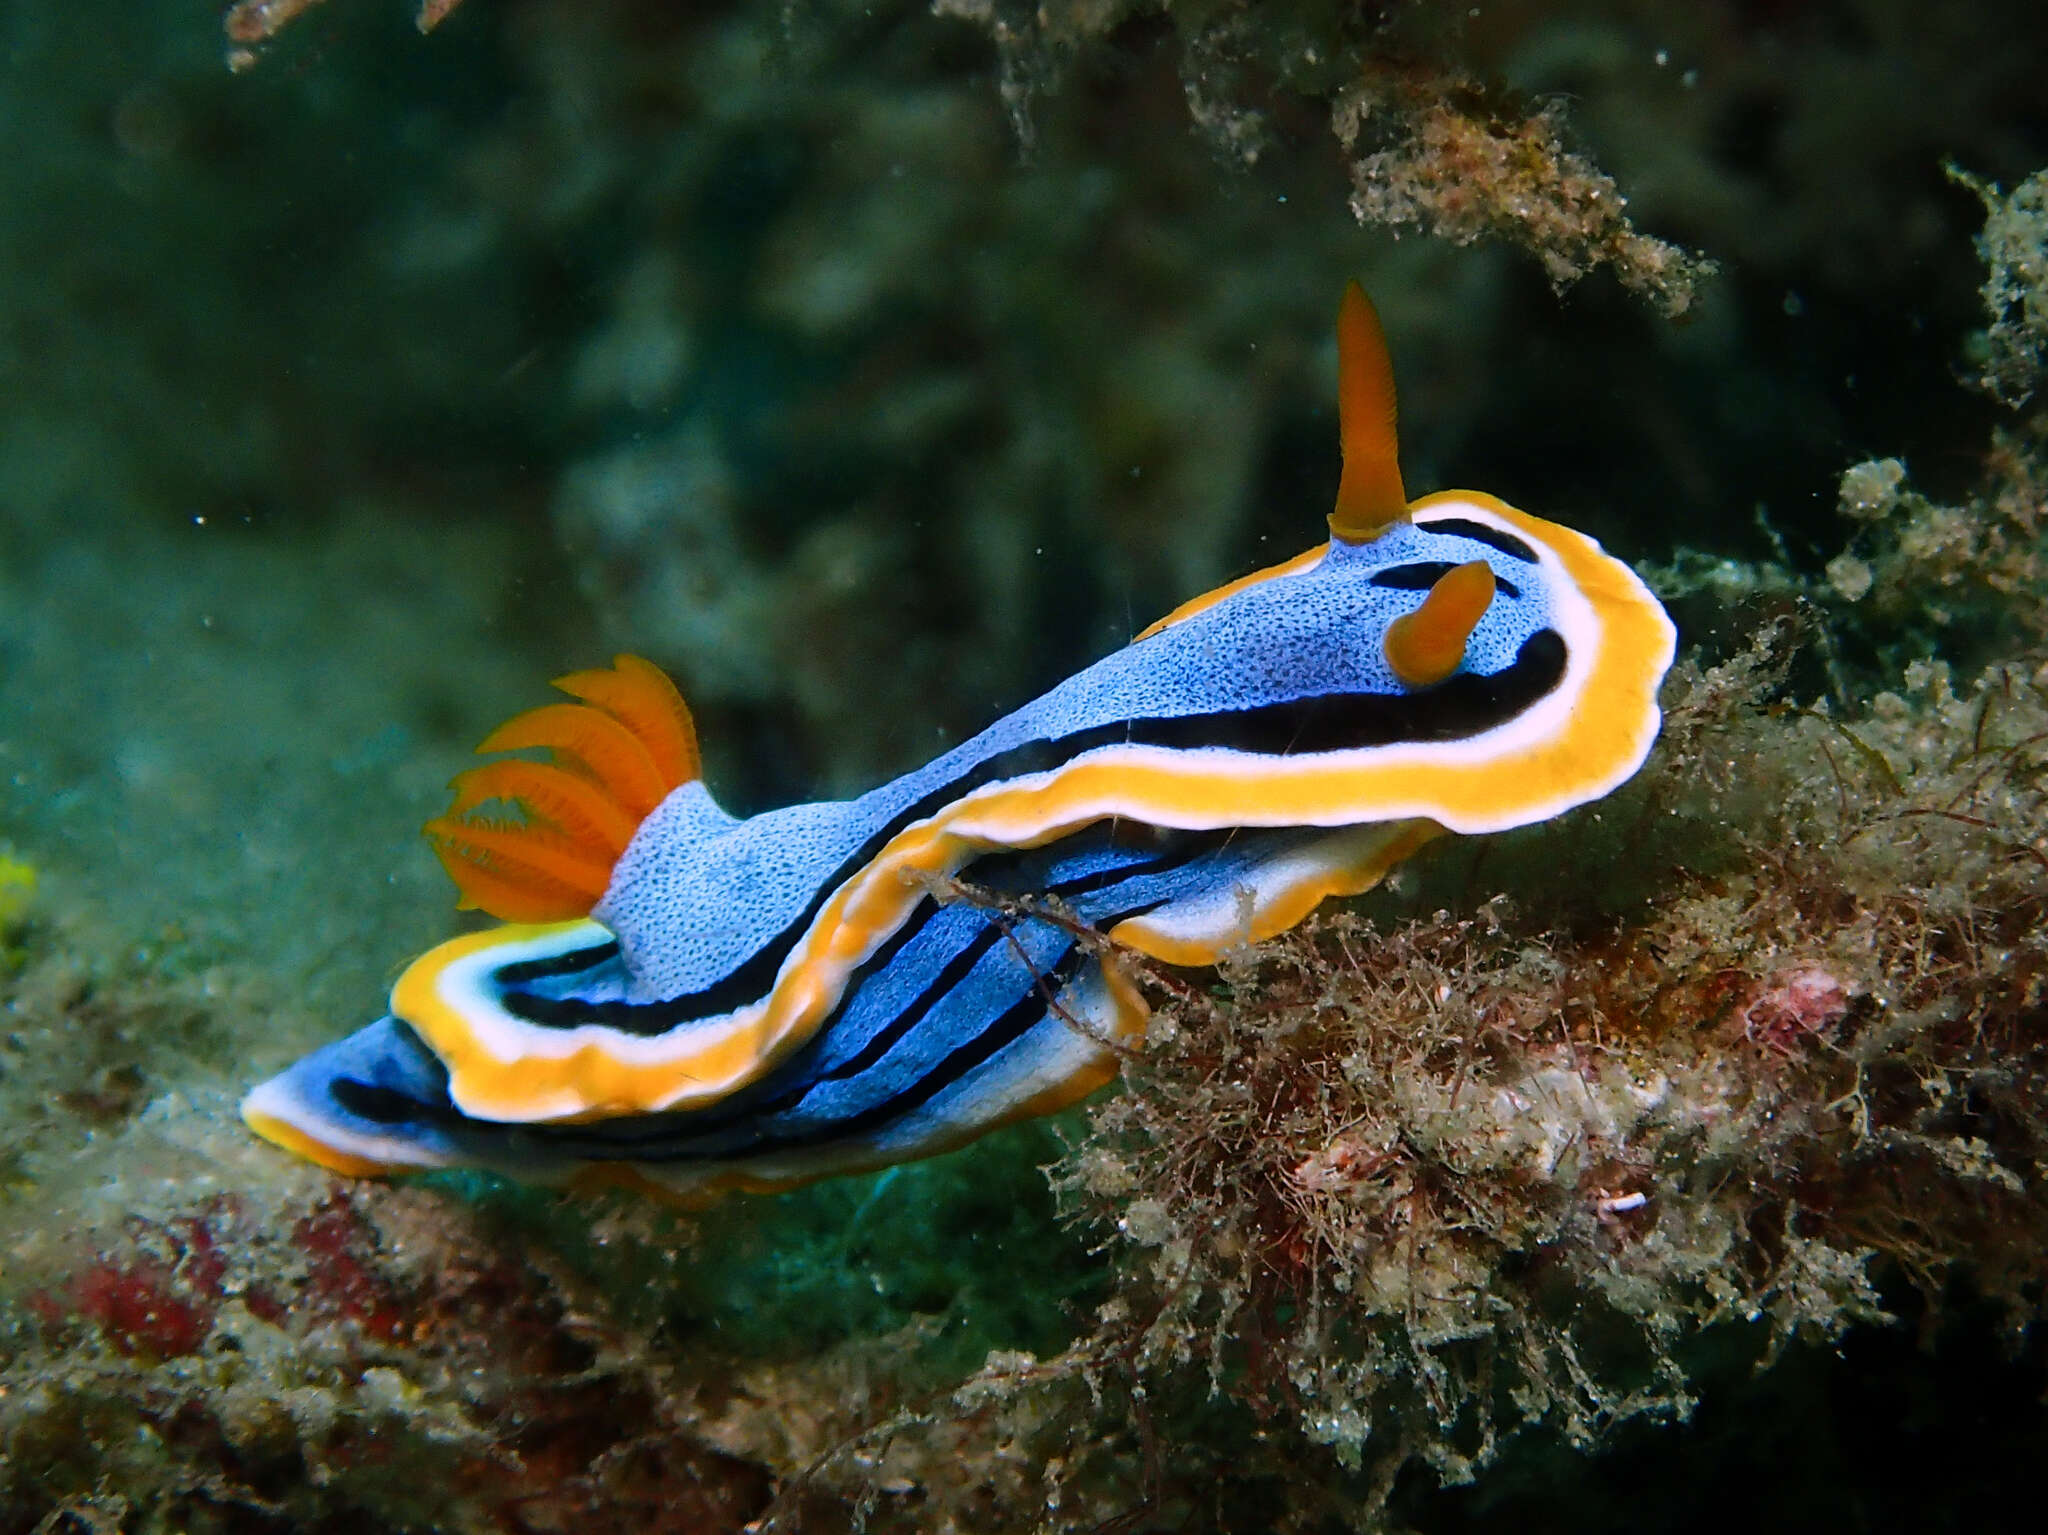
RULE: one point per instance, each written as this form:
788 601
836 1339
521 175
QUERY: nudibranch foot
696 1001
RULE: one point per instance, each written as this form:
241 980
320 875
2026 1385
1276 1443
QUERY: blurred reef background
1682 1164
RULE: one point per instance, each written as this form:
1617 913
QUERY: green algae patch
17 902
17 889
971 1240
968 1248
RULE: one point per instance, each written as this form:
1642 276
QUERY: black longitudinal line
526 971
1421 575
1005 1029
643 1143
640 1018
722 1115
1012 1023
384 1105
1480 532
647 1019
883 1040
1041 979
955 971
740 1106
1185 850
1464 706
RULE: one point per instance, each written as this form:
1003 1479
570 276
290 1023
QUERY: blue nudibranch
700 1002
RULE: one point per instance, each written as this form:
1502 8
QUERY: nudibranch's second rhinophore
699 1002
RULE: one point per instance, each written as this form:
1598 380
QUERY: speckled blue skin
672 897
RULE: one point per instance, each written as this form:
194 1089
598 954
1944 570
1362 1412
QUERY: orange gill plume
547 854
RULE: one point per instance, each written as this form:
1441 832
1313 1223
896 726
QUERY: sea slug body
698 1002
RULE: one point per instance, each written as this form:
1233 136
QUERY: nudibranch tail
611 759
1426 646
1370 497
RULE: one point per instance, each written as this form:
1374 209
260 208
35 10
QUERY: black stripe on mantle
1465 706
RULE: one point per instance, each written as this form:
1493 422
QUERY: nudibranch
697 1002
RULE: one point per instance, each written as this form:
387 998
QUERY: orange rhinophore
1370 496
1426 646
